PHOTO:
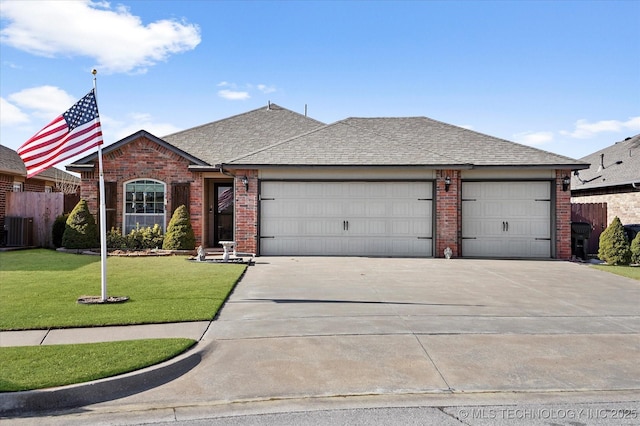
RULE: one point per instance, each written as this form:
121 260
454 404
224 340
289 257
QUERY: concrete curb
28 403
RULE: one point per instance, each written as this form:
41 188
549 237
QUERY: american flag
70 134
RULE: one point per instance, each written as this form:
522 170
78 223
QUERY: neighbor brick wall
246 212
448 213
145 159
563 217
624 205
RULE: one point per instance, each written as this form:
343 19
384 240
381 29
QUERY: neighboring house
13 178
613 178
280 183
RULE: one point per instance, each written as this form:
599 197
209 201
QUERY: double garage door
346 218
506 219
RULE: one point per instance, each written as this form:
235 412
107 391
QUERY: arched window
144 204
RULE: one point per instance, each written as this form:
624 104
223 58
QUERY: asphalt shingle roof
231 137
621 166
401 141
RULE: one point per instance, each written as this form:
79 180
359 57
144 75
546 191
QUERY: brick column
448 218
563 217
246 212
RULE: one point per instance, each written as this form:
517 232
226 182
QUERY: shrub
614 247
80 231
115 239
57 230
139 238
635 249
179 234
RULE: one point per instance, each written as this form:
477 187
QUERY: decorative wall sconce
566 181
447 183
245 182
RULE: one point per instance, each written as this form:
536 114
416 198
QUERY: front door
223 217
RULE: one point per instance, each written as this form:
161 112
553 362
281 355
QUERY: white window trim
124 202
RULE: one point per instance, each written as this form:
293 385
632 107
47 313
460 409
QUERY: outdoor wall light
447 183
245 182
566 181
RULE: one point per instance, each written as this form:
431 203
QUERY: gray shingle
411 141
621 166
231 137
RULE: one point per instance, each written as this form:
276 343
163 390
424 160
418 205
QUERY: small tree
80 231
614 247
635 249
179 234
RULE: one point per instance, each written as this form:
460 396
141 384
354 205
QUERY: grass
37 367
39 289
632 272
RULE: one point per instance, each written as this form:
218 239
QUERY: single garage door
506 219
346 218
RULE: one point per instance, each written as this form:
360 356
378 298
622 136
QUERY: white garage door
346 218
506 219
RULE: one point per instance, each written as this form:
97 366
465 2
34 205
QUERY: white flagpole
103 210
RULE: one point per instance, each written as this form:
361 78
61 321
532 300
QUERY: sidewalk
62 336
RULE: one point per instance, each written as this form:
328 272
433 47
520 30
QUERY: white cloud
266 89
236 92
585 130
11 115
233 95
533 138
117 40
46 102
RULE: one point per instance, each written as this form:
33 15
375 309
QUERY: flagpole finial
94 71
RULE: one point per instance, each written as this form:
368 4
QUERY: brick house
613 178
280 183
13 178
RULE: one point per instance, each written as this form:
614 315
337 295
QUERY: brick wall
246 212
448 213
563 217
624 205
144 159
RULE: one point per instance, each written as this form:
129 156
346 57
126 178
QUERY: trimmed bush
57 230
81 231
635 249
614 247
137 239
179 234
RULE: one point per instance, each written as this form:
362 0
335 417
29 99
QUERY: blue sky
563 76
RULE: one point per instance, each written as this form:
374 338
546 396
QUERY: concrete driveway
300 328
298 333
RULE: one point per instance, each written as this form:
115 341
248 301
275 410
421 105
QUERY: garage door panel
506 219
346 218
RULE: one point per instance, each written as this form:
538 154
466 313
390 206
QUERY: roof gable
618 164
90 159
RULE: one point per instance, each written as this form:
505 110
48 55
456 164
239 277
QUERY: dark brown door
223 218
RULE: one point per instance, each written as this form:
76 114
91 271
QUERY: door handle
507 226
347 225
503 226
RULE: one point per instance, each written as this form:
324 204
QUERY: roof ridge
270 106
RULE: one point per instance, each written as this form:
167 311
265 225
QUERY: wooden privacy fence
42 207
596 215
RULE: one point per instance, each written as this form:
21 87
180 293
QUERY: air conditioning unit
19 231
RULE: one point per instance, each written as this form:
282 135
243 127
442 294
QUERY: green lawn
39 289
626 271
37 367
